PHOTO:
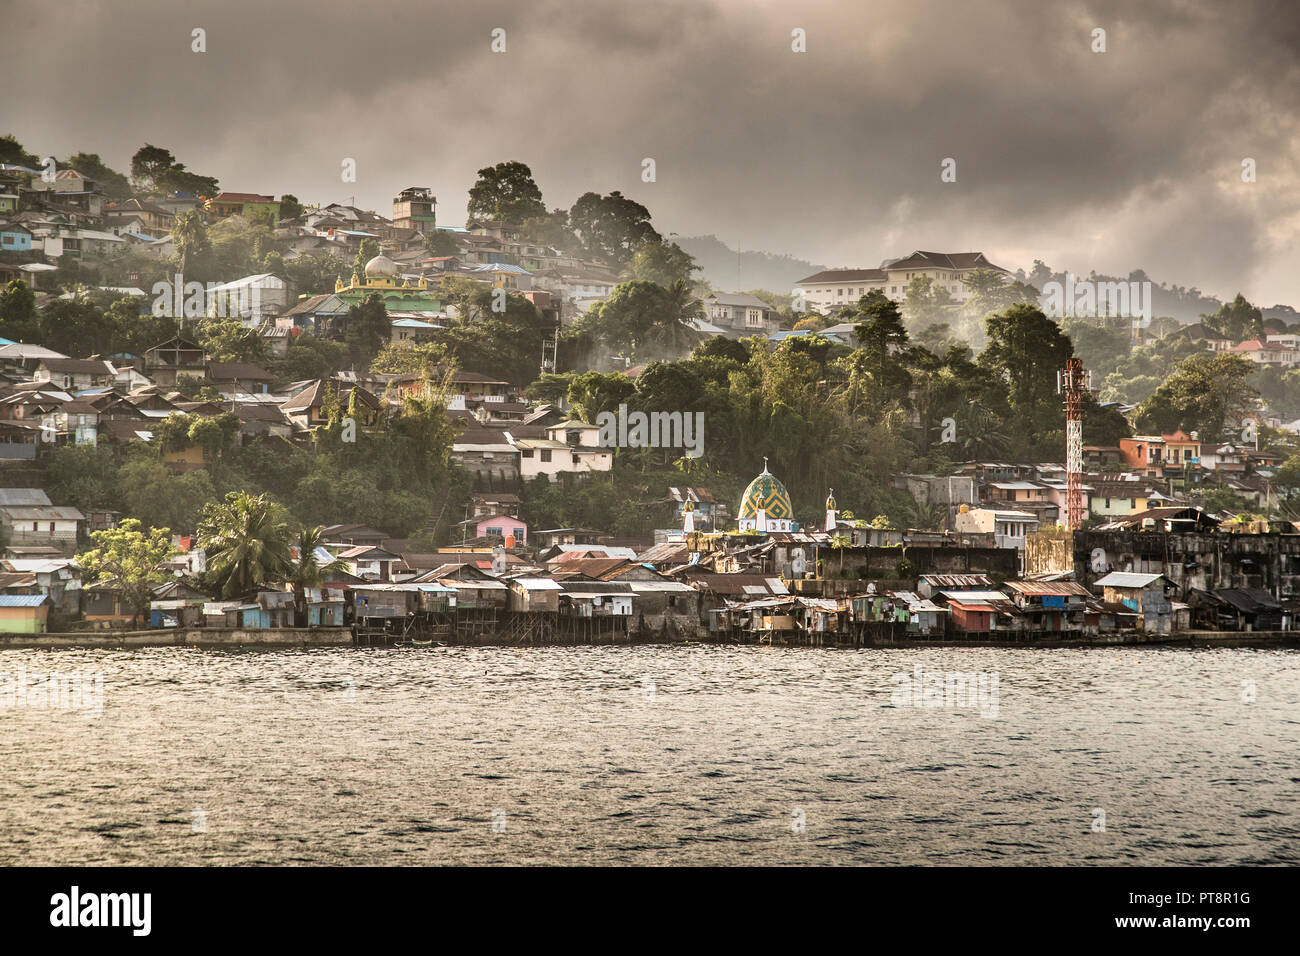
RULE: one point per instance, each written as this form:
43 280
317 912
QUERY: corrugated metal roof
1127 579
22 600
957 580
537 584
967 597
1048 587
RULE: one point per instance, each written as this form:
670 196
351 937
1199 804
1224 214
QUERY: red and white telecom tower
1073 383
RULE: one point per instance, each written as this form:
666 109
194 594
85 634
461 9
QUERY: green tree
645 320
926 302
551 387
410 358
154 169
506 192
308 357
594 392
193 247
290 207
246 538
611 227
552 229
77 327
1104 425
880 331
1208 394
1026 349
440 243
13 153
83 476
149 490
229 340
660 262
308 570
368 250
1237 320
19 320
130 556
214 433
366 329
315 275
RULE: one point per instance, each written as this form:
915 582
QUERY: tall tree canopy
129 556
246 538
611 227
155 170
1208 394
506 192
1237 320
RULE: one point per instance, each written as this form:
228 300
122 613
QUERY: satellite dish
1098 560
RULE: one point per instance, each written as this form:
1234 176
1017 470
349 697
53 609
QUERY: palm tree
309 572
191 236
672 331
247 541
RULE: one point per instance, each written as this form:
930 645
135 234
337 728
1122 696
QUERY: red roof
243 197
1255 345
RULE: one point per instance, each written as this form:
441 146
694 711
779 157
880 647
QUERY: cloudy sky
1112 161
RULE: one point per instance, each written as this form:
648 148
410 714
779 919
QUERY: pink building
513 531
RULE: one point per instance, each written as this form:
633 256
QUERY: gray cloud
1128 159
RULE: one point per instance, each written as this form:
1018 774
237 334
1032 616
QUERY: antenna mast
1074 383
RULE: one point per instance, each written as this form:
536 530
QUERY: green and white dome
765 506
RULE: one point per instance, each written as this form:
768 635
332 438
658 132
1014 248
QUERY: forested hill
725 268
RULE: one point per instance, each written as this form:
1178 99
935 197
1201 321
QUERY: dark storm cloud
1111 161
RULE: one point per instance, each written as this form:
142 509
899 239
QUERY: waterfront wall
188 637
214 637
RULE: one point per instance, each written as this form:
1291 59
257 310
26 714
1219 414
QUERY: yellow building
382 275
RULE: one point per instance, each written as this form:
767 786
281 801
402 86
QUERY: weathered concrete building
1202 560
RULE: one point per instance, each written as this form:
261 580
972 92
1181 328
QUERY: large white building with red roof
1276 354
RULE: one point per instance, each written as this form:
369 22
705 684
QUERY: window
494 532
546 455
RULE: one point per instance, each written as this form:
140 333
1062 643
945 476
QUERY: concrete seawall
188 637
218 637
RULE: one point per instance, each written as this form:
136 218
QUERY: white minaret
688 517
832 515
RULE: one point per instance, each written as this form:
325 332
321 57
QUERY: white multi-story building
837 288
569 446
1009 527
1271 352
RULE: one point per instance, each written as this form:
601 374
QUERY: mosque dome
380 266
766 492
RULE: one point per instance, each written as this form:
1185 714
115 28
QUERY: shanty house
1142 592
23 613
534 595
